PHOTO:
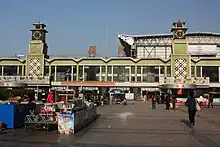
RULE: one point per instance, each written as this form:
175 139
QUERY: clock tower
179 30
180 59
39 32
37 51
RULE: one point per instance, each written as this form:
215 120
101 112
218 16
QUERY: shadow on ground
186 122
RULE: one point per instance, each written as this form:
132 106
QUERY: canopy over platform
12 84
179 86
130 39
116 91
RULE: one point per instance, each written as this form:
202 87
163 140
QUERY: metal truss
204 40
159 46
191 39
154 47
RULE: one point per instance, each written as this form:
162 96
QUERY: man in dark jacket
167 99
154 101
174 100
191 104
211 101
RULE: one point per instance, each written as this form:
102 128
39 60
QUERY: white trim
141 73
83 78
100 74
102 64
18 69
159 72
214 84
132 64
112 73
72 67
55 73
140 84
56 83
200 71
130 37
219 74
2 70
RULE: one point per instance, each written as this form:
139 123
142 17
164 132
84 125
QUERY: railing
163 80
26 79
188 80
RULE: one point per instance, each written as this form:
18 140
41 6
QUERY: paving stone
130 126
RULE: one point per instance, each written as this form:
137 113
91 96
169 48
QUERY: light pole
81 87
83 99
67 86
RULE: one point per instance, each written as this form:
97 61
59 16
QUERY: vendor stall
46 119
14 105
13 114
117 96
66 116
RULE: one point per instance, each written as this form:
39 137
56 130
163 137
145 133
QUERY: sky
74 25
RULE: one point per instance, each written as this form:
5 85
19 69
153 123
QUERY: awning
116 91
12 84
179 86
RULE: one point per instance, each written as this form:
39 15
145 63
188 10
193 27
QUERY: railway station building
152 62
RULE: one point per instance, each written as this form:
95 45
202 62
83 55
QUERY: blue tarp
13 115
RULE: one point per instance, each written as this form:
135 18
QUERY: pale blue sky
74 25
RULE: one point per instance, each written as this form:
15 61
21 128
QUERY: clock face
37 35
179 34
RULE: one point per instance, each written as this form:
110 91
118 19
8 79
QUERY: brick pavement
131 125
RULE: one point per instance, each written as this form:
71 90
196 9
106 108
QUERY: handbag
198 108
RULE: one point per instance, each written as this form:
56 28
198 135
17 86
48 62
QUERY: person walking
174 100
154 100
145 98
191 103
210 101
167 98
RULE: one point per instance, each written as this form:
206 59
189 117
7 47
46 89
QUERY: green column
195 71
22 72
165 70
77 72
50 70
135 68
106 72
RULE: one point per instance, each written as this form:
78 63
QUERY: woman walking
154 101
191 103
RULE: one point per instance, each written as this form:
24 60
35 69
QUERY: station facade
152 62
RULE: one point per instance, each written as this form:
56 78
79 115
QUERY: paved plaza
130 126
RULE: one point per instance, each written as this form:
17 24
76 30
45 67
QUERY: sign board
129 96
117 91
66 124
202 49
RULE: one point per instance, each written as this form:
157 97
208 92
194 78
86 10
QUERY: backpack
154 98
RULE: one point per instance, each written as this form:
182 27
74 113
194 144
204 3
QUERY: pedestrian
145 98
167 98
191 103
210 101
158 99
154 101
162 98
174 102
